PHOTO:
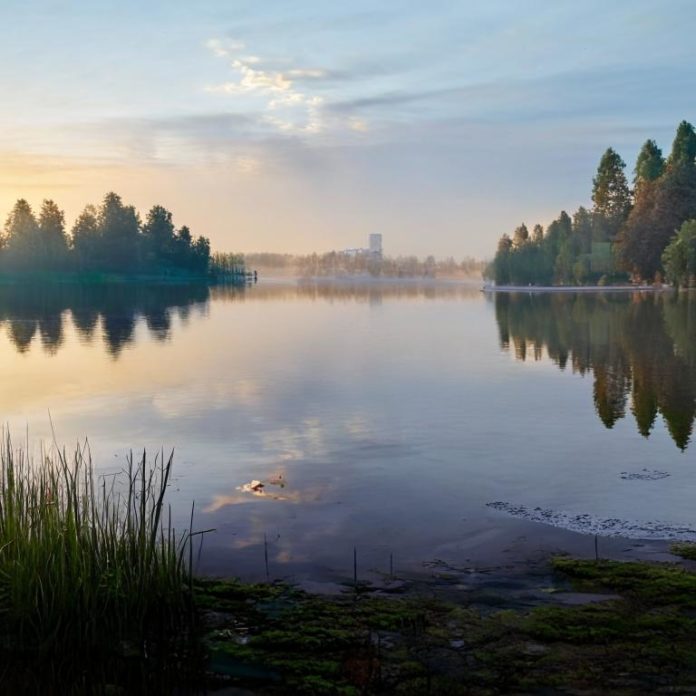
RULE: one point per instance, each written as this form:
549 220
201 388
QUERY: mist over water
384 416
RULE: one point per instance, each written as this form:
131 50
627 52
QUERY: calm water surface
384 417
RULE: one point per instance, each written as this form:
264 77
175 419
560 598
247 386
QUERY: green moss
293 642
657 583
685 549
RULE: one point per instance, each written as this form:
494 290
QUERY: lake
423 424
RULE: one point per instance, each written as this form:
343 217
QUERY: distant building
374 248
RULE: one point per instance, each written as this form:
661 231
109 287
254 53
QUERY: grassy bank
95 586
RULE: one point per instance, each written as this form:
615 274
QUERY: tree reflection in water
28 310
640 348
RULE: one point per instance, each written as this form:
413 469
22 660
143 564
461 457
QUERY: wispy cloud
287 107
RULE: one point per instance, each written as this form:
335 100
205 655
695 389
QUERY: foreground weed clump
94 585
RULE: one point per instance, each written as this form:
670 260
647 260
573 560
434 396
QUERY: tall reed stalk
94 581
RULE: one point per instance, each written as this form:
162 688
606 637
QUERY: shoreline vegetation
109 243
639 234
98 595
574 288
336 265
95 584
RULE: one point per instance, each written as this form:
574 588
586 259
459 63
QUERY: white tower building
376 245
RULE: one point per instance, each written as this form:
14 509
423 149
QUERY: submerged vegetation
106 240
95 585
635 233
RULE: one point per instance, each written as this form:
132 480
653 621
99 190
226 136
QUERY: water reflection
113 311
358 291
641 350
28 310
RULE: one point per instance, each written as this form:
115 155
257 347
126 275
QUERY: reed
94 581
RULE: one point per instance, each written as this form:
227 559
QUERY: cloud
222 48
307 73
287 107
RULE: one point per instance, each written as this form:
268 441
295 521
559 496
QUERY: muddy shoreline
553 625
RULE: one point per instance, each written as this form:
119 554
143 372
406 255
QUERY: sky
305 126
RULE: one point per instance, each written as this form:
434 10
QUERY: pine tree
52 238
119 235
684 146
85 238
520 236
158 237
650 164
610 194
21 235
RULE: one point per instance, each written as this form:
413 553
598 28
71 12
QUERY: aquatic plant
94 581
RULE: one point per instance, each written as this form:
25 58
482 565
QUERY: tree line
336 263
109 238
644 231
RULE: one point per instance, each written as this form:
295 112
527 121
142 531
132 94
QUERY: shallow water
384 417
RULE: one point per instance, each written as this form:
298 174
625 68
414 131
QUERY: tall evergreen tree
158 237
556 233
611 195
662 206
637 250
201 254
52 237
85 237
119 233
684 146
501 262
21 235
583 229
650 164
183 248
520 236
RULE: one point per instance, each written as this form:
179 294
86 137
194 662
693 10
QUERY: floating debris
259 488
644 475
252 487
589 524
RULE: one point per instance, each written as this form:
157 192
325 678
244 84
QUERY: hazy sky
300 126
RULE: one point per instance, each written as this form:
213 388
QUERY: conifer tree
611 195
53 241
650 164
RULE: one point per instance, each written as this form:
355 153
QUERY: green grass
95 585
685 549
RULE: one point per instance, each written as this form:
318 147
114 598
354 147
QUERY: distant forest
110 238
644 232
336 263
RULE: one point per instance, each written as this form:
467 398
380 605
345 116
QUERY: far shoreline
575 288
